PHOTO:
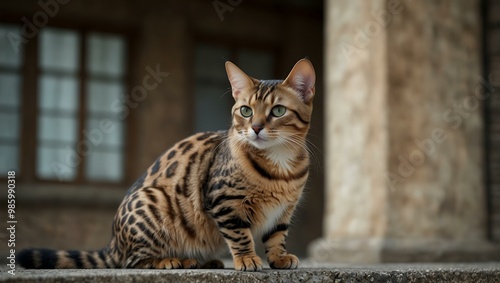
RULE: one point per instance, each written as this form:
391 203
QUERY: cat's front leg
275 244
242 247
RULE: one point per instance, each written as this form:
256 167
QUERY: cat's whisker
309 146
224 141
226 92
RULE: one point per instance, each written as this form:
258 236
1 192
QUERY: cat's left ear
238 79
302 78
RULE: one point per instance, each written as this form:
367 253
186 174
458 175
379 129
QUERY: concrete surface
309 272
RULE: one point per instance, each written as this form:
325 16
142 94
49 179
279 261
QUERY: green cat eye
278 110
246 111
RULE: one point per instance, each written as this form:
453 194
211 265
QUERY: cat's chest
267 208
281 158
270 217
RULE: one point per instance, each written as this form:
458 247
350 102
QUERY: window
58 101
10 93
79 75
212 92
105 84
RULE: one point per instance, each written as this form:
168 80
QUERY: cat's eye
246 111
278 110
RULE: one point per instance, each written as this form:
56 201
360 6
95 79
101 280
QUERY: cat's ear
302 78
238 79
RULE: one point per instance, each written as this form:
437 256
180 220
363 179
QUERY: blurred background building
406 130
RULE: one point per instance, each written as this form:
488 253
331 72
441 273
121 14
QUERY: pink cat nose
257 128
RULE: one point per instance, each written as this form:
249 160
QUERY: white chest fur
282 157
271 218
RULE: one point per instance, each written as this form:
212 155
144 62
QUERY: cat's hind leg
157 263
167 263
176 263
190 263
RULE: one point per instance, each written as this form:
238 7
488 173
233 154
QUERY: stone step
309 272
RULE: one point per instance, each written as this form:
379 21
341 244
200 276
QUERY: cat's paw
288 261
247 263
168 263
189 263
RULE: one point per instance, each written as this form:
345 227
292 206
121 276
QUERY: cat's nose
257 128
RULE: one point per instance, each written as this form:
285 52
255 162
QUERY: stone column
404 166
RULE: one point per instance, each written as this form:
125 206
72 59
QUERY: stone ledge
387 250
311 272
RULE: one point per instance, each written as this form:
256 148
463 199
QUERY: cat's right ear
238 79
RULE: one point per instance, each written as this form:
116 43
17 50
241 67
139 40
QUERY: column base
378 250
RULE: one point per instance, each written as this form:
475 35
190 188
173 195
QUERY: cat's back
185 163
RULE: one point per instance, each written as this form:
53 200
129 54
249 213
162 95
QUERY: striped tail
54 259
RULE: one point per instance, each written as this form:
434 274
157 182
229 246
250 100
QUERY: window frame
29 108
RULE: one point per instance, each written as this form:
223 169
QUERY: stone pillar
404 165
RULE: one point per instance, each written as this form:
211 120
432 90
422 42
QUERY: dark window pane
10 47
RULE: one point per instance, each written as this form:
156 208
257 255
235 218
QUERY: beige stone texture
434 70
356 126
404 171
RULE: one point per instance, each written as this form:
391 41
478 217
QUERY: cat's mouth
260 141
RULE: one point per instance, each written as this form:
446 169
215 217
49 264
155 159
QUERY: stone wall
66 219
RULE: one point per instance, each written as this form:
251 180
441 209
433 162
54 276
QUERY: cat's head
270 113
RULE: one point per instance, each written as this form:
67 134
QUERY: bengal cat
215 189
